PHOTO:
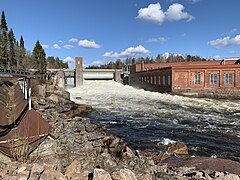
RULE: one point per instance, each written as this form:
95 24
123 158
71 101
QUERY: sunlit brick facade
214 77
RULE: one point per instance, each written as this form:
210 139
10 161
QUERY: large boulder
123 174
57 80
100 174
178 148
78 109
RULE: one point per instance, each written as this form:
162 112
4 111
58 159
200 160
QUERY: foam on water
155 114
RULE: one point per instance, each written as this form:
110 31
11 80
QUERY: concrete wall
79 72
117 76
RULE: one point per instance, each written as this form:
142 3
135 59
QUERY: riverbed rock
178 148
52 174
123 174
206 163
78 149
101 174
54 97
72 168
77 110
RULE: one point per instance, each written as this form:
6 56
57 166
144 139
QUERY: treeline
118 64
14 56
55 63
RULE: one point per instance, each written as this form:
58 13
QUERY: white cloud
175 13
73 40
216 57
155 14
166 55
96 63
60 41
110 54
159 39
88 44
131 51
45 46
68 46
68 59
225 42
56 46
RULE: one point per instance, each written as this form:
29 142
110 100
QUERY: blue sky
104 30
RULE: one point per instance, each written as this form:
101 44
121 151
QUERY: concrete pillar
79 72
132 75
117 75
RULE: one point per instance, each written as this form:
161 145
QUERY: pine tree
12 42
3 42
3 22
21 54
21 42
40 56
4 50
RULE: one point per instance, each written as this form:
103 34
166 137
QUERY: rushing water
142 118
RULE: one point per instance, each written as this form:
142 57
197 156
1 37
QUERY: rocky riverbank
79 149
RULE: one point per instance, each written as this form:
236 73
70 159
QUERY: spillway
209 127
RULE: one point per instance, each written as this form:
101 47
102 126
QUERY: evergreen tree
21 42
4 51
3 22
3 42
12 42
40 56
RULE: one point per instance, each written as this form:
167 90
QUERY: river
142 118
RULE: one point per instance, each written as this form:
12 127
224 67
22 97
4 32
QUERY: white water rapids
207 126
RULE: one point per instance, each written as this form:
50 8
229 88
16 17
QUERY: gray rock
51 175
101 174
123 174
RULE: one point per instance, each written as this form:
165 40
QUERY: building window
159 80
155 80
228 78
169 80
164 80
197 78
213 78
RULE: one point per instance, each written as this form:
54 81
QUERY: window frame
213 78
197 78
228 78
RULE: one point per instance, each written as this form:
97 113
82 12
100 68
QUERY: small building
216 78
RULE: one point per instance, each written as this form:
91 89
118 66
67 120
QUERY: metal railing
6 72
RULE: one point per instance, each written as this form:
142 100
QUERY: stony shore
81 150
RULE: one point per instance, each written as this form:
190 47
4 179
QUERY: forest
14 55
119 64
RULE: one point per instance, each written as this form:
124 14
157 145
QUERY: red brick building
206 78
